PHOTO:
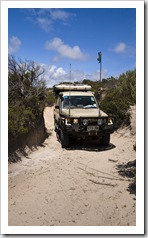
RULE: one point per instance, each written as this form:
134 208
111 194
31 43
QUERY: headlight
75 121
68 121
100 122
109 120
85 122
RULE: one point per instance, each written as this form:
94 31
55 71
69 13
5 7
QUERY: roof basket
71 87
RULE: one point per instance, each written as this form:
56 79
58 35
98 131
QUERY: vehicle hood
79 112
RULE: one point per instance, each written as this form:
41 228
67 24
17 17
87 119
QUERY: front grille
92 121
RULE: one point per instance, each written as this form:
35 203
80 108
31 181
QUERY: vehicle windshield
79 102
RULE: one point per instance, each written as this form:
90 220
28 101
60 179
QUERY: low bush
118 100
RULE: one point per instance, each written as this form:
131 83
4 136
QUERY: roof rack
71 87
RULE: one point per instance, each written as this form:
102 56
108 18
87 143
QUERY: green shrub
26 100
118 100
20 121
113 104
50 98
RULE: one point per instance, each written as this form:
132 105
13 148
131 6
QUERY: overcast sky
58 37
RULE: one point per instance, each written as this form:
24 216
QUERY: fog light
100 122
75 121
85 122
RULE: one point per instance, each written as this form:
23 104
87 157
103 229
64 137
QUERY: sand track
79 186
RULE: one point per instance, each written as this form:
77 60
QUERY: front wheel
105 140
64 138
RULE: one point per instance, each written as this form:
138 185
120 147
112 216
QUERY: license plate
92 128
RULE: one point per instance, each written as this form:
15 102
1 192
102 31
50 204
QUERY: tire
55 126
58 136
105 140
64 138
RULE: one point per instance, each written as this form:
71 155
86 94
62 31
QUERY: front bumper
81 131
92 128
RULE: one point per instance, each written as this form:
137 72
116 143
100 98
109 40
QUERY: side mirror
56 106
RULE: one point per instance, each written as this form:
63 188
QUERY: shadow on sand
88 145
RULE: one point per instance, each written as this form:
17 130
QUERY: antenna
70 73
69 88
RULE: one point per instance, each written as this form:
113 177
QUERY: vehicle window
79 102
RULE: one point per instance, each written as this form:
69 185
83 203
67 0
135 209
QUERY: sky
64 40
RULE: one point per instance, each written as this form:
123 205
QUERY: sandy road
79 186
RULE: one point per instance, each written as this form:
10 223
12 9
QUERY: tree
26 99
24 79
